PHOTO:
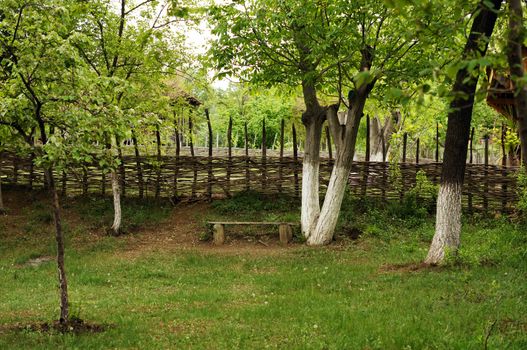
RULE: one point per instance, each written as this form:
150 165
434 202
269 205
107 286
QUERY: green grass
98 211
339 297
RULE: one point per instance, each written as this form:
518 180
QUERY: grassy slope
344 296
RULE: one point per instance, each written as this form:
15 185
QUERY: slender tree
448 217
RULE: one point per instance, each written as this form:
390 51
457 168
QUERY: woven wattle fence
487 187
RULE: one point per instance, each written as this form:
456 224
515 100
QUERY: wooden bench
285 230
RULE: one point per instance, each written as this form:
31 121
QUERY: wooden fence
487 187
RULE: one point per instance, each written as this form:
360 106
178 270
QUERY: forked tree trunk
345 141
448 217
515 57
116 191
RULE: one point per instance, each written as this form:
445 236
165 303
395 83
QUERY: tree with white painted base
309 44
448 217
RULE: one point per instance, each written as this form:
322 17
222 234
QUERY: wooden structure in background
500 95
216 173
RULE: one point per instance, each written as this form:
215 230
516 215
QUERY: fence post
15 170
84 180
194 165
32 170
295 159
366 165
504 171
437 142
280 168
122 171
417 151
103 183
405 143
209 165
247 170
264 156
485 198
469 171
471 146
229 155
176 166
64 183
158 166
328 138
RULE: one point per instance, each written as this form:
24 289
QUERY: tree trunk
448 217
310 175
116 191
59 237
380 137
345 141
515 57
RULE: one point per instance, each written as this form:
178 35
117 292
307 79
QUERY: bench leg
286 233
219 234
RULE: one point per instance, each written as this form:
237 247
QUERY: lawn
368 293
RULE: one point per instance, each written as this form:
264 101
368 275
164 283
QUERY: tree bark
313 119
448 217
116 191
345 141
515 57
59 236
116 194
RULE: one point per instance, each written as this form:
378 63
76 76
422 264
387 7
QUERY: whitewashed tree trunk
310 179
448 223
327 221
448 219
116 191
346 139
